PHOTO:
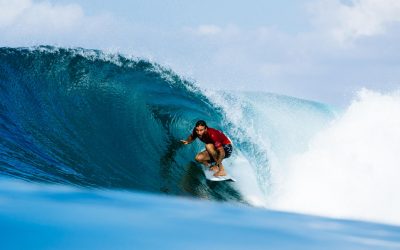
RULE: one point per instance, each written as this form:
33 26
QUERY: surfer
218 147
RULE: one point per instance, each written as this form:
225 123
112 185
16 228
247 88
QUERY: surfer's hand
184 142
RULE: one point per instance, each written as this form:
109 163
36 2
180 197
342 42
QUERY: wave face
80 117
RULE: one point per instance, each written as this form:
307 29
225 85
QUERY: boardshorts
228 152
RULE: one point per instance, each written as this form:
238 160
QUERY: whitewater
89 142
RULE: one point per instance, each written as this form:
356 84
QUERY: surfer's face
200 130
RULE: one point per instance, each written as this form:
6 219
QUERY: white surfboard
210 175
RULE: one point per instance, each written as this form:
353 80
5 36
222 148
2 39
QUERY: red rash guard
213 136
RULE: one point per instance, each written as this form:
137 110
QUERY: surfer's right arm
188 140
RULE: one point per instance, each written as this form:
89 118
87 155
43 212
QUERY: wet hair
201 123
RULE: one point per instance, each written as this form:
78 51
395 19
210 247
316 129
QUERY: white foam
352 168
246 180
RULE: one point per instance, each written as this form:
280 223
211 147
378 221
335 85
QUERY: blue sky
173 14
324 50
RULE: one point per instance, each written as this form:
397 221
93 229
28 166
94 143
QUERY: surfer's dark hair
201 123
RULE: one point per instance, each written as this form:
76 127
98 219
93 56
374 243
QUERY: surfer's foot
220 173
214 168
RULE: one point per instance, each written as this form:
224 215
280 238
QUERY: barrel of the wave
82 117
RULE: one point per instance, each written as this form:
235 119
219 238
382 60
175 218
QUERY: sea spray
350 169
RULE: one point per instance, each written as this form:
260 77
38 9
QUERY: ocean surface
90 158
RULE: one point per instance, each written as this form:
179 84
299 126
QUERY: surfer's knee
210 147
199 158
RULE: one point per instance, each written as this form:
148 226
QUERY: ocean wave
108 121
82 117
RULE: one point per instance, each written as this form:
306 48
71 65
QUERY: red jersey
213 136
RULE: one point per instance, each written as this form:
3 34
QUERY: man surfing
218 147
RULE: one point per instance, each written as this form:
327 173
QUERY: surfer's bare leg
203 157
214 153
